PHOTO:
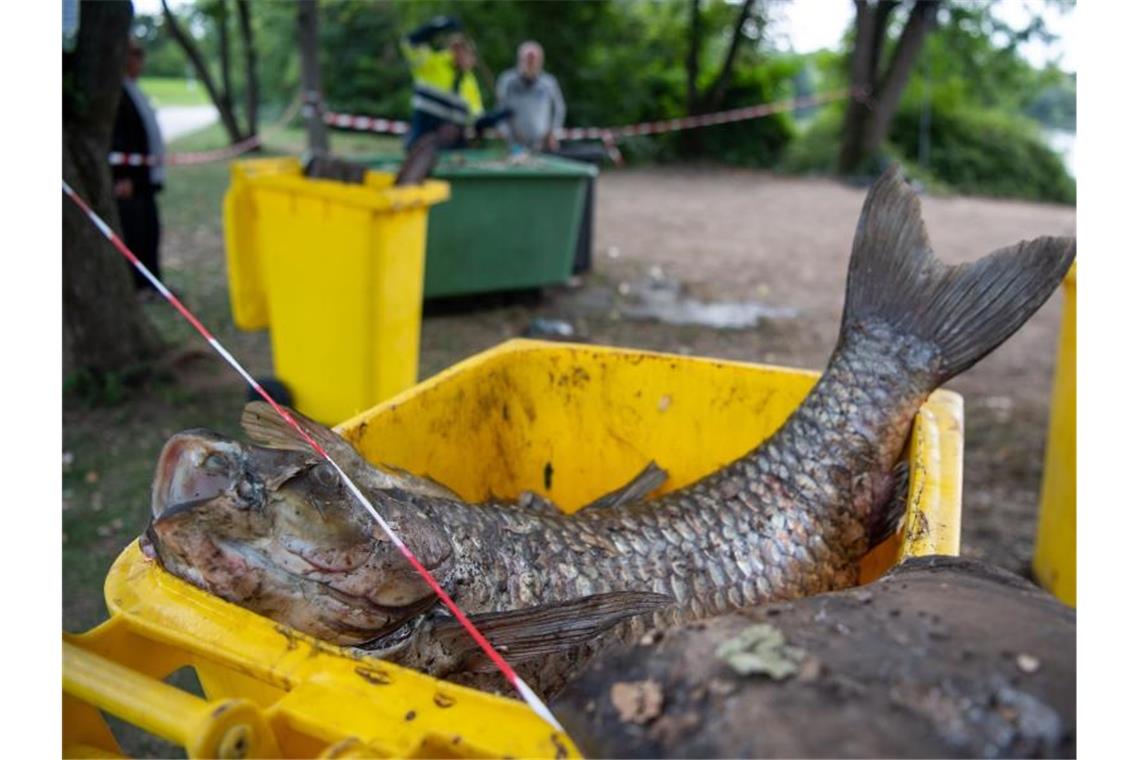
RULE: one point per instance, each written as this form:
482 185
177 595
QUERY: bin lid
490 162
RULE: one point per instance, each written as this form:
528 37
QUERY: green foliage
97 389
361 67
816 149
985 152
983 98
607 80
163 56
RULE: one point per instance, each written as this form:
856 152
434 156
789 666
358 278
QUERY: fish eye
216 463
325 475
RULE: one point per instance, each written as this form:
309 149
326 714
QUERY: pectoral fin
546 629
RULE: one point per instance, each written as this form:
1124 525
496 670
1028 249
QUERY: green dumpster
511 224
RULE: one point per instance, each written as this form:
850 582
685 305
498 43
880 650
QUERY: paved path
175 121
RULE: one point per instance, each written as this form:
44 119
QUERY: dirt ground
724 234
785 241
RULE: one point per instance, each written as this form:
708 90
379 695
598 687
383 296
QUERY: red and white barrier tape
700 120
117 158
610 135
365 123
524 691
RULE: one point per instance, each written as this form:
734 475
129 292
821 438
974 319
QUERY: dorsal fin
266 428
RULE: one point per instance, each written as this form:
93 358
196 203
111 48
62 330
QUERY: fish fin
650 478
885 521
546 629
266 428
531 501
966 310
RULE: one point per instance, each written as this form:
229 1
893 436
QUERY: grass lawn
171 91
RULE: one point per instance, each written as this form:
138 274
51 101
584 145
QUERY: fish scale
791 517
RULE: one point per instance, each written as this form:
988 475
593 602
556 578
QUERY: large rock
942 657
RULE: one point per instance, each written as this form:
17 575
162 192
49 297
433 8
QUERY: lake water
1065 143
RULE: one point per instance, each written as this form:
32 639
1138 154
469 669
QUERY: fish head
277 532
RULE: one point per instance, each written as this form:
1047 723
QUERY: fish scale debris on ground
271 527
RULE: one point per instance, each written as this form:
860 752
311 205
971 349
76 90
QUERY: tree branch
252 86
223 21
693 61
923 17
187 44
883 11
716 91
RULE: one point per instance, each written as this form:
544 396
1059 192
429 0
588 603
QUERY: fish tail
966 310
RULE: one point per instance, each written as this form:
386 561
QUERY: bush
985 152
816 149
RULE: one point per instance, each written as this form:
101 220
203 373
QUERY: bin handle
227 728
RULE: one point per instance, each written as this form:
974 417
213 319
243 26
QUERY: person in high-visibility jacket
445 90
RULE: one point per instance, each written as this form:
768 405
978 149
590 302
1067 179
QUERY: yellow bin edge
300 696
1055 552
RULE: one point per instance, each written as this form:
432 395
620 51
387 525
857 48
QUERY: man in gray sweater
535 100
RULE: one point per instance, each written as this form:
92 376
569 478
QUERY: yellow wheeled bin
1055 554
570 422
336 272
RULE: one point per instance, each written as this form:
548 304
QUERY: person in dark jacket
136 132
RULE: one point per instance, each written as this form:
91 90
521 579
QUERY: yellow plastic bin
570 422
248 303
1055 554
338 270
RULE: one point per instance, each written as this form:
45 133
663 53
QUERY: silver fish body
791 518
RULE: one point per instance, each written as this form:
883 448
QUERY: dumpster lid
491 162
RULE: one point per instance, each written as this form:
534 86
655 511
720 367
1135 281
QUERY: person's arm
559 117
423 34
416 44
559 107
501 103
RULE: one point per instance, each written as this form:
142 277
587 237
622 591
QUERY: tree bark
252 84
225 112
307 40
862 81
868 117
223 21
693 60
104 329
715 93
890 89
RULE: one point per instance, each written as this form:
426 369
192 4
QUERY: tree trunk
691 138
693 60
252 86
104 329
890 89
715 94
307 40
869 114
225 111
858 112
223 21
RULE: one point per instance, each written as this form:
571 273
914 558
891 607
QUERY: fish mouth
194 467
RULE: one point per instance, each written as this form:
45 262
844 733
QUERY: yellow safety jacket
435 89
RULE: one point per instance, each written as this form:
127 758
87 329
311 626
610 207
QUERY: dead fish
927 661
275 531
